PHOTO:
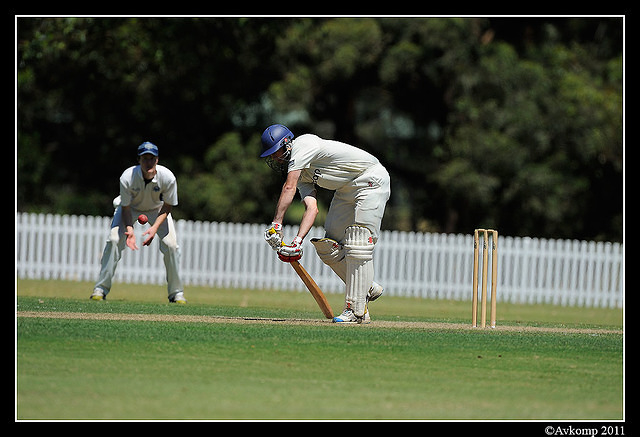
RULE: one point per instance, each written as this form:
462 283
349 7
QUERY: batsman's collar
147 147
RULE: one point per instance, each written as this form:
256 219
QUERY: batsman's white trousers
361 202
116 244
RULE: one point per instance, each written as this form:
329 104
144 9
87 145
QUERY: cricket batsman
149 189
362 188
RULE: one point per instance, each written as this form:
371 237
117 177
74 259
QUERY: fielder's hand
131 238
292 252
273 235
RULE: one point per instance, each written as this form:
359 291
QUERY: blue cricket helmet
274 137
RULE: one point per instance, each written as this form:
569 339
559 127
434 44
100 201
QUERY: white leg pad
332 254
358 249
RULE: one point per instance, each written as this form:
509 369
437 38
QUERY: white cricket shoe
98 294
178 298
348 316
374 292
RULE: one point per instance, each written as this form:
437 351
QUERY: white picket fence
424 265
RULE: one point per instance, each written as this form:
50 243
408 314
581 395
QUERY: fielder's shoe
374 292
348 316
178 298
98 294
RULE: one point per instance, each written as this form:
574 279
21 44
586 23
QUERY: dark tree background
512 123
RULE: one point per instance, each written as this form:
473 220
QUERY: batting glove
273 235
291 252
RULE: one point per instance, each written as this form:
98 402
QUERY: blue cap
147 147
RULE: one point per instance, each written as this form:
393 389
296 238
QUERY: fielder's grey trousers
116 243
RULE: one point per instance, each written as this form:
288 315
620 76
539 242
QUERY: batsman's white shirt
360 182
141 196
327 163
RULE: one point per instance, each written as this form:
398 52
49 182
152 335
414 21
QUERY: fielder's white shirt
327 163
163 188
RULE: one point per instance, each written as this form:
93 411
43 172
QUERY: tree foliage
512 123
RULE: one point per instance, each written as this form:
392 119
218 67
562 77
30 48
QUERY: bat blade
313 288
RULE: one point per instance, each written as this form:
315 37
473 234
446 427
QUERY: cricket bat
315 291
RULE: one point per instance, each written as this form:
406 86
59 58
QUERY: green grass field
78 369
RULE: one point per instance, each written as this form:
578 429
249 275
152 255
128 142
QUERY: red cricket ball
142 219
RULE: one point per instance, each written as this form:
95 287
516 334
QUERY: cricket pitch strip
307 322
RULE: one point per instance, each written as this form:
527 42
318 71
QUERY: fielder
362 188
150 189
